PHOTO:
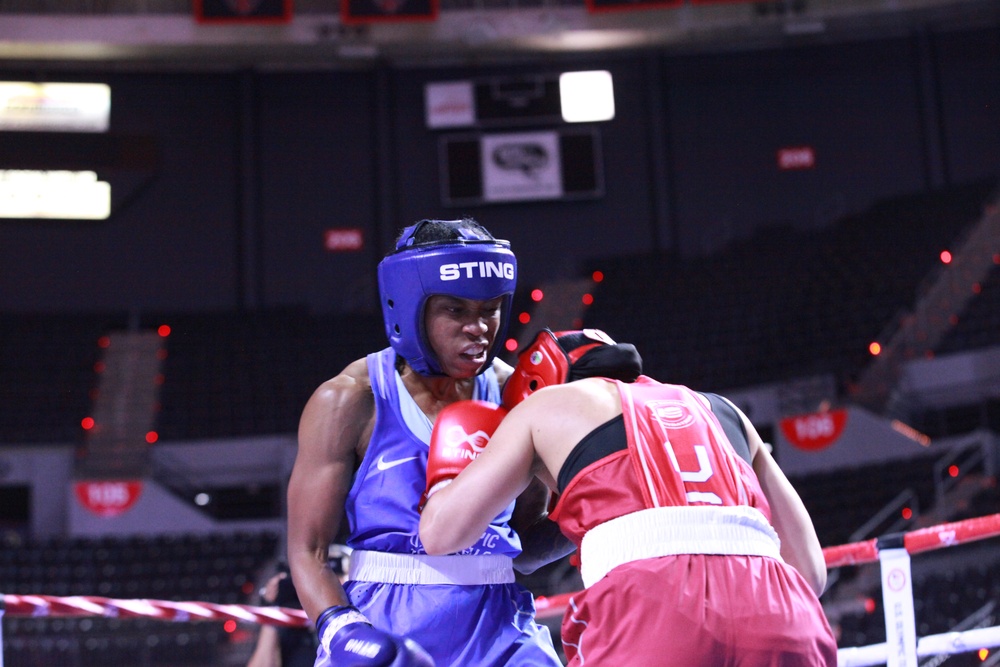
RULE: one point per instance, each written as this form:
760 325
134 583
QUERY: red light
511 345
945 257
977 288
907 513
869 605
577 323
87 423
229 626
247 587
597 276
163 330
537 295
103 341
99 367
587 299
158 380
152 437
953 470
875 349
161 354
524 318
996 258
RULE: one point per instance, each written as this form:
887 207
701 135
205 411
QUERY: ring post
897 599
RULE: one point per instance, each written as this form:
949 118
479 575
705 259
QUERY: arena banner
599 6
243 11
108 498
814 431
387 11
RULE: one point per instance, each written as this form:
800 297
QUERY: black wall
239 174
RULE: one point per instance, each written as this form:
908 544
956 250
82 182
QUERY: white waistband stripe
392 568
665 531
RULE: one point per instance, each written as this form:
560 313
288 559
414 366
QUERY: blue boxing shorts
458 624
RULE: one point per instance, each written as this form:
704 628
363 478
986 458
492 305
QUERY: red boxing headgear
564 356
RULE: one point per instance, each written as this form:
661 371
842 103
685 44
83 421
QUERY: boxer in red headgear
694 548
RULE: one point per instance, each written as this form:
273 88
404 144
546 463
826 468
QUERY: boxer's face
461 332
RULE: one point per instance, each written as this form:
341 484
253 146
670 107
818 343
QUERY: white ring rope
948 643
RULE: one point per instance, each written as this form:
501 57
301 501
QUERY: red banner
814 431
108 498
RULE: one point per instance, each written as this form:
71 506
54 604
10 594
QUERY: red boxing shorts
745 611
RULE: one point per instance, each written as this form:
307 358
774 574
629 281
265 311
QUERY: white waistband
392 568
665 531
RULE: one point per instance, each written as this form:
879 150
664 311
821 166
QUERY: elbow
432 547
819 580
430 536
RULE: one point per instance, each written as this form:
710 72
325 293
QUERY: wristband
333 618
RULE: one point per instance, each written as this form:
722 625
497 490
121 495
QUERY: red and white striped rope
917 541
164 610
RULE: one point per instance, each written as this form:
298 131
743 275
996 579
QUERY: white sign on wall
450 104
521 166
62 195
54 107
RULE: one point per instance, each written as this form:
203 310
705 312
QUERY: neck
432 394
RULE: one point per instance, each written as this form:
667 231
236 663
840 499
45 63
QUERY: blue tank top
382 504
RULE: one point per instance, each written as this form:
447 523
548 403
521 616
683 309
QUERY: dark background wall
249 169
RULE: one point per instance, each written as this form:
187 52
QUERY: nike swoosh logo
382 464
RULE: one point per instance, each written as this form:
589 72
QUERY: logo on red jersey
671 414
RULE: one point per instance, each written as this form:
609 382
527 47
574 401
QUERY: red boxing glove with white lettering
460 433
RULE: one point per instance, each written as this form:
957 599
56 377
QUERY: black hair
435 231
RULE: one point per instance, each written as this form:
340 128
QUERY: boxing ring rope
893 551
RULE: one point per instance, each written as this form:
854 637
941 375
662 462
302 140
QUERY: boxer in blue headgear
454 257
446 294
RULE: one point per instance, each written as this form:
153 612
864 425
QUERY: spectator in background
277 646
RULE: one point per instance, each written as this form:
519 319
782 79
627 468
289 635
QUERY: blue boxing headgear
472 265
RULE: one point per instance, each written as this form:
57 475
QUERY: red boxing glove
460 433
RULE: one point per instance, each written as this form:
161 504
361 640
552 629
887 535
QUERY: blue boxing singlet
464 609
382 504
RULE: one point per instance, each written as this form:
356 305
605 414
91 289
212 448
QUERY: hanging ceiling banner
387 11
243 11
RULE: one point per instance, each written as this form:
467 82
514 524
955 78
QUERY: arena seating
779 305
786 303
220 568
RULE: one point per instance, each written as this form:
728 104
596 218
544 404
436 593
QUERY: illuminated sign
796 157
54 107
64 195
570 97
586 97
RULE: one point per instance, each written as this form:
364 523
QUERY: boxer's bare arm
800 546
333 434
